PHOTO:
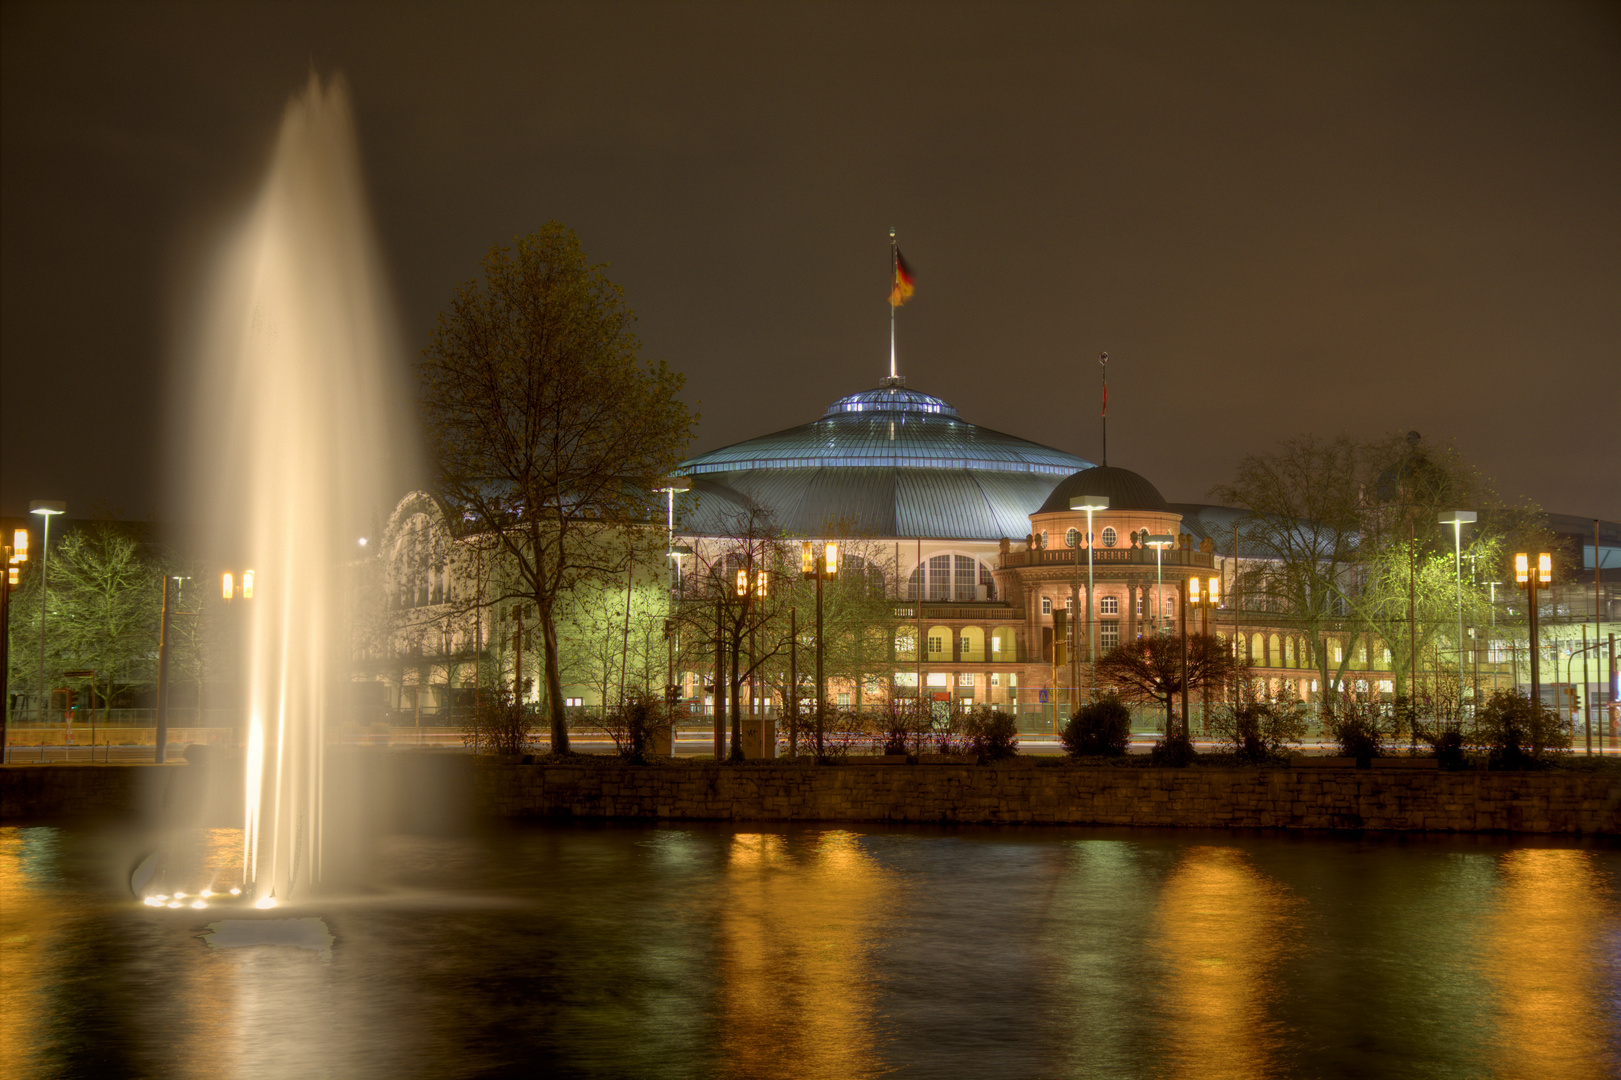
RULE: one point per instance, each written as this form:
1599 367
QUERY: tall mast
1103 362
894 273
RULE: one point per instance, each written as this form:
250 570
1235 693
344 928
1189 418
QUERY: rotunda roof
886 462
1124 489
889 426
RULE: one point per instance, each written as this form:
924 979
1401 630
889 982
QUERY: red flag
904 285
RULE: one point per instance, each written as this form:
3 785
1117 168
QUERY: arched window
1109 605
1110 537
1072 538
1046 605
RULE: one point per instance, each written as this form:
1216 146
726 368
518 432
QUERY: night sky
1276 218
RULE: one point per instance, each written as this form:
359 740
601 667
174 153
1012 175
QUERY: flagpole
894 270
1103 362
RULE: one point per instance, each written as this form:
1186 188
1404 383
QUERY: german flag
904 287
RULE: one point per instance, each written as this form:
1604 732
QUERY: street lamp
823 565
1531 579
1458 519
47 509
16 554
1159 543
1204 599
1091 504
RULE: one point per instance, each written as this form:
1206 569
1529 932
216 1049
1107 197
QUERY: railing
1106 557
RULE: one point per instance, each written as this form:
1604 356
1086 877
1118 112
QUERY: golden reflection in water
1543 954
25 924
1221 929
794 977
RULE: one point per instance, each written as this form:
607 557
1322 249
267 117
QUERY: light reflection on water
815 952
1221 929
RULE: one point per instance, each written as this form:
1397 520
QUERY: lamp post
1531 579
822 565
751 585
16 554
1159 543
1203 597
47 509
230 590
1458 519
1091 504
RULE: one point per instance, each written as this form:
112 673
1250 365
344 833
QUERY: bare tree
546 428
1149 670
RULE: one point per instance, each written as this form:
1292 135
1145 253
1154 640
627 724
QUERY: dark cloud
1275 217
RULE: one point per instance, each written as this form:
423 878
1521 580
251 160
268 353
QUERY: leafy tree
1353 547
1149 670
105 598
546 428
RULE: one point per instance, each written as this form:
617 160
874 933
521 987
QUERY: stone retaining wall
1296 798
1568 802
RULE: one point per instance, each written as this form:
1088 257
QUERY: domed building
974 527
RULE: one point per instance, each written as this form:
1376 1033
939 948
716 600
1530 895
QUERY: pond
695 951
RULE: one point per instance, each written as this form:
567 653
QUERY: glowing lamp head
228 586
247 584
742 588
807 559
11 576
1193 590
760 583
830 561
19 545
1544 569
1213 590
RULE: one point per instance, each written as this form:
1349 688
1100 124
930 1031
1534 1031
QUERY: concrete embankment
410 790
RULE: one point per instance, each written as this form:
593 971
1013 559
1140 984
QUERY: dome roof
1124 489
885 462
889 426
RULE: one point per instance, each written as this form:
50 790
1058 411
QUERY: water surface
821 952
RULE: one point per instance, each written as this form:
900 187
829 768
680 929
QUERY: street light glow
228 586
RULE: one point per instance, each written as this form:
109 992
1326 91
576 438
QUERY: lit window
1110 537
996 680
1109 605
965 678
1108 633
1046 605
1338 654
1069 603
1072 538
962 645
996 644
1042 539
937 644
1139 607
573 701
844 700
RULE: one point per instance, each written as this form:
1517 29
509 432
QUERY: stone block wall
1303 798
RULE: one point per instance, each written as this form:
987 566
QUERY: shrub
991 735
1173 751
1517 732
499 725
1257 730
1099 729
901 729
634 725
1358 728
1448 748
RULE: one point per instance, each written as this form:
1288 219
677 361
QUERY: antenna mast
1103 362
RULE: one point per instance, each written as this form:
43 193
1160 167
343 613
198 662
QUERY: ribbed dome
889 426
1124 489
888 462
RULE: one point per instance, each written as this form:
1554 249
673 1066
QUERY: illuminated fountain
290 450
